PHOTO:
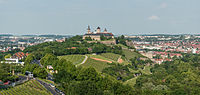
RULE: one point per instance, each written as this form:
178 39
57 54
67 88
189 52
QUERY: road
22 79
49 76
46 85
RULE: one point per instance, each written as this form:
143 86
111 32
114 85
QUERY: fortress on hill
97 35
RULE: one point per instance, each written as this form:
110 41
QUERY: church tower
88 29
98 29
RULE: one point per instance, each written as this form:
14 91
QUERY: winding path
86 57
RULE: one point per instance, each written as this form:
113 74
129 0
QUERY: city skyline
128 17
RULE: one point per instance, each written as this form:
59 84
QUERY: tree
88 38
49 59
148 86
29 59
89 74
7 56
40 72
102 37
84 88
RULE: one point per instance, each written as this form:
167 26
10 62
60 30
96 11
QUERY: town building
16 58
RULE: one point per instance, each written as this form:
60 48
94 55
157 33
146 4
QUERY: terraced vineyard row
75 59
111 56
98 65
30 88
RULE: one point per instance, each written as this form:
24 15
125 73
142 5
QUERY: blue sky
71 17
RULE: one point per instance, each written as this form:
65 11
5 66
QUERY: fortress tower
98 30
88 29
105 31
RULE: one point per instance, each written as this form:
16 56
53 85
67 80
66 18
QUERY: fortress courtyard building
98 34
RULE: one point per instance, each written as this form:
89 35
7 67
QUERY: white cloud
163 5
154 17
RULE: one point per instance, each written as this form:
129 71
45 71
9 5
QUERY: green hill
32 87
75 59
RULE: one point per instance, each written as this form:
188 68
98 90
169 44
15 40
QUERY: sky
71 17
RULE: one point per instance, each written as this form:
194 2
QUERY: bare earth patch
101 60
120 60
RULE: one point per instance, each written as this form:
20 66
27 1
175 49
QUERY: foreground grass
32 87
75 59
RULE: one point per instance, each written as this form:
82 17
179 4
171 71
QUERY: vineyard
32 87
111 56
99 57
75 59
130 54
98 65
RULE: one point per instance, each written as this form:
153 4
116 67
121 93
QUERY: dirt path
101 60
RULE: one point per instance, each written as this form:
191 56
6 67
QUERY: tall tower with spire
88 29
98 29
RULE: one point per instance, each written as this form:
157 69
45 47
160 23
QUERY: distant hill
6 35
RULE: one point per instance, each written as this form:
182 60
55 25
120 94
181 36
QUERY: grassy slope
98 65
132 81
30 88
123 46
146 70
111 56
75 59
130 54
99 56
